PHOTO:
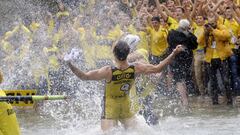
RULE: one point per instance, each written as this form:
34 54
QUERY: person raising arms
119 80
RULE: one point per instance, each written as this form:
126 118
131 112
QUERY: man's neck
122 64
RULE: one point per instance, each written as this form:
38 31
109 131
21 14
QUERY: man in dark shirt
182 65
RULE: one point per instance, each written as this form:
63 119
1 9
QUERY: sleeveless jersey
121 83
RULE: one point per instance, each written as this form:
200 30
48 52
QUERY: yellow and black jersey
116 101
121 82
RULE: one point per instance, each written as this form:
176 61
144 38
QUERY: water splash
30 62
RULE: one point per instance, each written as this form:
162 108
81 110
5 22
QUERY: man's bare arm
149 68
98 74
236 9
160 10
178 2
235 16
193 11
217 5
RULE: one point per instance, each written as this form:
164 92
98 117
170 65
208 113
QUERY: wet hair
155 18
184 23
121 50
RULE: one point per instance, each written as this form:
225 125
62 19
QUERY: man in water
119 80
8 120
181 66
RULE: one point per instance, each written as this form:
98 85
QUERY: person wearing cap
181 66
119 79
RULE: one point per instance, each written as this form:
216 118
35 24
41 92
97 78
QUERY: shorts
180 70
116 108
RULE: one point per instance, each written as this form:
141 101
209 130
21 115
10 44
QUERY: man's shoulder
176 33
107 68
173 31
192 35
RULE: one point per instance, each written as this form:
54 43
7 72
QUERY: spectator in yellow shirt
234 29
158 41
199 69
216 38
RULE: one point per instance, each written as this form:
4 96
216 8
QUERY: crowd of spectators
215 60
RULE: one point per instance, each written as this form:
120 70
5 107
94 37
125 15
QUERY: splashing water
29 62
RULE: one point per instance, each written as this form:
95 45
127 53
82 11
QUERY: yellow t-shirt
143 52
233 28
172 23
158 41
132 29
215 54
198 31
144 40
220 20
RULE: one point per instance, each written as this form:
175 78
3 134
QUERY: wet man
182 65
119 80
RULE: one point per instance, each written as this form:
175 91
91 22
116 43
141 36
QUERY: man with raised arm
119 80
181 66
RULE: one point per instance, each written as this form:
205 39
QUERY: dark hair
121 50
155 18
181 8
228 8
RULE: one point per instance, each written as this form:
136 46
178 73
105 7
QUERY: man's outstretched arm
98 74
149 68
